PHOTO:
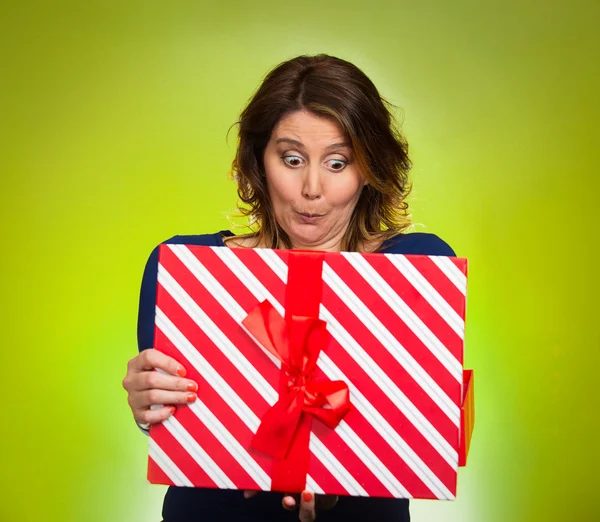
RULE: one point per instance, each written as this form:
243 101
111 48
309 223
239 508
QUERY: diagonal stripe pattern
396 326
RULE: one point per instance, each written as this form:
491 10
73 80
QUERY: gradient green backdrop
113 137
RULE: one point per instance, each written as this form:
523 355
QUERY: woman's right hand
146 387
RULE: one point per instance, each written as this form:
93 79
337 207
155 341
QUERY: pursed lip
309 214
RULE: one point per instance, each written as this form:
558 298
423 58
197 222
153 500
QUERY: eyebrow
299 144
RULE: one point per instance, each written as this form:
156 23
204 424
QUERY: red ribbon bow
296 342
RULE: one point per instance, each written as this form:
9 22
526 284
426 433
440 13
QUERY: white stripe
383 474
260 292
197 452
427 290
201 365
375 465
397 304
210 282
452 272
164 462
249 280
390 389
396 442
311 485
236 450
411 412
228 349
391 344
348 482
216 289
206 370
274 261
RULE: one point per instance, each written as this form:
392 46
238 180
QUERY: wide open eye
336 165
292 161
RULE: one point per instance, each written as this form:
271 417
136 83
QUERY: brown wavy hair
330 87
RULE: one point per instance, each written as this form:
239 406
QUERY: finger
151 359
289 502
249 493
149 380
307 507
145 399
154 416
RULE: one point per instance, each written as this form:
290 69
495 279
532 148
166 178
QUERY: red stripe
227 277
180 457
397 420
221 365
440 281
400 331
283 255
431 455
419 304
218 363
374 485
268 277
357 468
223 321
214 401
156 475
360 470
219 454
323 477
333 442
388 364
460 263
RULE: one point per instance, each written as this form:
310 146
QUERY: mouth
310 214
309 217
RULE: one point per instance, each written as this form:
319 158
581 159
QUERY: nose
311 186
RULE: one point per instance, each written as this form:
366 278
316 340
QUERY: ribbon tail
289 474
276 431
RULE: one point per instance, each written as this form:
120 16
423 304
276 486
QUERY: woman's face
313 181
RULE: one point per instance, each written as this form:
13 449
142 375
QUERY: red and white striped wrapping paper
396 332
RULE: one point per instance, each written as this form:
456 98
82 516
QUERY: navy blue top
223 505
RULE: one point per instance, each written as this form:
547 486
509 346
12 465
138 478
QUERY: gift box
341 373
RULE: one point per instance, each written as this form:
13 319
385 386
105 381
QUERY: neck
334 245
330 244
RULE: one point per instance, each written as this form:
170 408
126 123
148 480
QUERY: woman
319 166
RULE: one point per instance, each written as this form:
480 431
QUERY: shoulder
215 239
148 288
418 243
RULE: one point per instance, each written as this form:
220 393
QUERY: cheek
345 191
282 187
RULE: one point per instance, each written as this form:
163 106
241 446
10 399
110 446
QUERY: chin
299 236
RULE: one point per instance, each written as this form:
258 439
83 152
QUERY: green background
114 118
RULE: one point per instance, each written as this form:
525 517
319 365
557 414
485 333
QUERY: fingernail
307 496
192 386
191 397
172 409
181 371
